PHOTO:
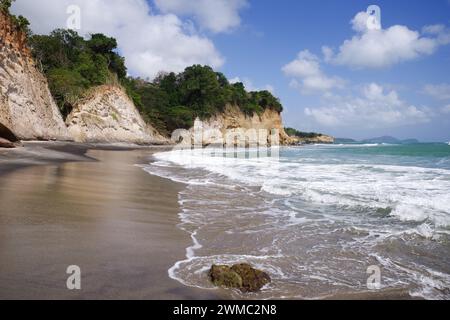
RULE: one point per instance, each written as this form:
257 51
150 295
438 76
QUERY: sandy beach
67 204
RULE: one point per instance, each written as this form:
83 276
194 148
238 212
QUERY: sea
324 221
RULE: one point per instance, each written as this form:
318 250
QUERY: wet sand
100 212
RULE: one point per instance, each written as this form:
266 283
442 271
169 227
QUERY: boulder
223 276
240 276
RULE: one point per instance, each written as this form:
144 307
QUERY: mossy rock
241 276
223 276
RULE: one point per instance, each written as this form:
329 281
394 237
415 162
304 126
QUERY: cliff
233 122
27 109
321 139
107 115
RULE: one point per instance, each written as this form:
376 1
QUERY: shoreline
94 206
124 238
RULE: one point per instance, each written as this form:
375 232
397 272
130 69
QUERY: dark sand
71 204
99 211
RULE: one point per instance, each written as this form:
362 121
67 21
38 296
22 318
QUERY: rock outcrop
232 126
241 276
320 139
107 115
27 108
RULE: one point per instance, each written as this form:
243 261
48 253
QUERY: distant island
384 139
308 137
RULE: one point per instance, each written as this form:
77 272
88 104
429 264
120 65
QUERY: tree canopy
304 135
174 101
21 22
74 64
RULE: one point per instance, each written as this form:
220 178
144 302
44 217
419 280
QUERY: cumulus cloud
438 91
378 47
308 76
374 107
214 15
150 42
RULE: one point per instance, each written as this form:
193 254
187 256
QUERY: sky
338 66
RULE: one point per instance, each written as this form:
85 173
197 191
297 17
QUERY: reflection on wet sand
115 222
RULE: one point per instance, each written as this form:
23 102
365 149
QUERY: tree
5 5
92 62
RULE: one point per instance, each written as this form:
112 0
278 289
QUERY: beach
67 204
143 224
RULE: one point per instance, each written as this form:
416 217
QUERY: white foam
416 198
413 193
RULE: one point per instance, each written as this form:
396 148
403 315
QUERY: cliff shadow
7 134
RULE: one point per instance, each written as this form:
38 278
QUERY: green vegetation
73 64
5 5
21 22
174 101
304 135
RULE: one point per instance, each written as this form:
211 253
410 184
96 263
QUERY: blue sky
332 71
272 35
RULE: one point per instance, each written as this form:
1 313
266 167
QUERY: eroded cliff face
107 115
233 126
321 139
27 108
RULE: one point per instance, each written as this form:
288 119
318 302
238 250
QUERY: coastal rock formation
27 108
107 115
321 139
240 276
233 125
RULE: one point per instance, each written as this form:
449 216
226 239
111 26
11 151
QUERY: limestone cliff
107 115
27 108
234 123
320 139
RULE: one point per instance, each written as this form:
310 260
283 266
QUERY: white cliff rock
233 127
27 108
107 115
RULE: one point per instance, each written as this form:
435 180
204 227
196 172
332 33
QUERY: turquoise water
435 155
317 217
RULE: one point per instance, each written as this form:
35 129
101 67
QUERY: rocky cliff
27 108
232 124
321 139
107 115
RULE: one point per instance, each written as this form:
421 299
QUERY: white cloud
214 15
446 109
438 91
308 76
377 48
249 86
150 42
373 108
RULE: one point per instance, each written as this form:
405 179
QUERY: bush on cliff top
304 135
171 101
20 22
73 64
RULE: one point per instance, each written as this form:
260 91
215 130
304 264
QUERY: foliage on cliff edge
74 64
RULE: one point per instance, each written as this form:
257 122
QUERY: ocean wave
409 193
311 225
